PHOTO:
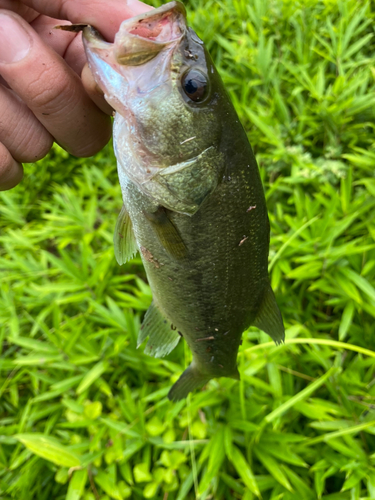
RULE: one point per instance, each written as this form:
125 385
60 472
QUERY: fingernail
15 42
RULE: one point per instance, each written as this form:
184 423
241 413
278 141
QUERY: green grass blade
49 449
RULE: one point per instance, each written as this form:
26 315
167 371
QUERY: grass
84 415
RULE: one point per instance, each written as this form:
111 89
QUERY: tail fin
191 379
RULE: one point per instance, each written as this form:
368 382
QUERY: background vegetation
84 415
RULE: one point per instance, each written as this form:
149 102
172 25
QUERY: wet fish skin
192 195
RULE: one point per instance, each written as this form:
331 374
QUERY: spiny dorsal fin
167 233
123 239
269 318
162 339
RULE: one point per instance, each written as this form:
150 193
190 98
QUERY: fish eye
195 85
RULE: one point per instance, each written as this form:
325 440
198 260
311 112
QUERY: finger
52 91
69 47
19 8
11 172
67 44
75 55
94 91
45 25
20 132
105 16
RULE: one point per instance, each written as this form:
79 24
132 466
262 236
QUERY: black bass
193 200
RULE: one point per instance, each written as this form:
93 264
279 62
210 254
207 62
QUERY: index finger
105 15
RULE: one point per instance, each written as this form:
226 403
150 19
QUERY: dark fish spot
149 257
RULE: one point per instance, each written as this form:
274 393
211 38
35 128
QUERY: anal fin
162 339
190 379
269 318
123 239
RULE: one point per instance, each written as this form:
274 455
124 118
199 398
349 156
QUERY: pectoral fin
269 318
123 239
162 339
167 233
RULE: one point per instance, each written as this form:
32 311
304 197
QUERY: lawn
84 414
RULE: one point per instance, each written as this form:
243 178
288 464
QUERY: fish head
162 83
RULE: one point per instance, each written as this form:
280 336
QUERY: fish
193 201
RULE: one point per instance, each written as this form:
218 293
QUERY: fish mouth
141 38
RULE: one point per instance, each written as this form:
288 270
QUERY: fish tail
190 380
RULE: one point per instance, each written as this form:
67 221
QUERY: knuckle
95 143
11 172
55 96
43 149
25 137
35 146
6 162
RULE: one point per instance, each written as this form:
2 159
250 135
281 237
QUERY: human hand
47 93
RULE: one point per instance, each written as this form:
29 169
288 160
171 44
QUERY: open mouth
142 37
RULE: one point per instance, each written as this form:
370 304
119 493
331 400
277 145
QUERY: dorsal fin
123 239
162 338
269 318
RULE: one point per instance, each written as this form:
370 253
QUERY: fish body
193 200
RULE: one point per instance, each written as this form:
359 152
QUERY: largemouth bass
193 202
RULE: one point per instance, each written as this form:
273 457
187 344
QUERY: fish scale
193 202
